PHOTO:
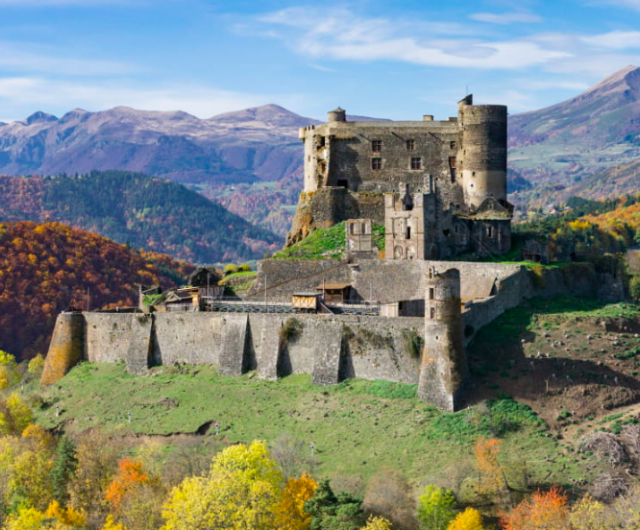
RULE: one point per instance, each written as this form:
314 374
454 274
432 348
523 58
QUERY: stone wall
331 348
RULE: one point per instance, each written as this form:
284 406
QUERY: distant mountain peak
270 114
40 117
627 78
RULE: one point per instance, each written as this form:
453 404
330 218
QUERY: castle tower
482 156
66 348
444 369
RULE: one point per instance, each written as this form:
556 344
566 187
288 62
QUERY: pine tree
64 467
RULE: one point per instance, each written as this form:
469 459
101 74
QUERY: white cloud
616 40
342 35
201 101
634 4
18 57
507 18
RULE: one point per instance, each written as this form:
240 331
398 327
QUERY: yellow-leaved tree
240 492
377 523
290 514
470 519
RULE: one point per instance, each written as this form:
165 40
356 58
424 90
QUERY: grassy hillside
326 243
138 210
359 427
46 267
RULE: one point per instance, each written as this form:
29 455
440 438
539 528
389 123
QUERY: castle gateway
439 187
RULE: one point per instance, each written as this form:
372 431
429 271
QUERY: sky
374 58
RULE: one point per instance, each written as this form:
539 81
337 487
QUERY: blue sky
375 58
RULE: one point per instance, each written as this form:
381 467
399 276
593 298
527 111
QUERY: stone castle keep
439 187
402 315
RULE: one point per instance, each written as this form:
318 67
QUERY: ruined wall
66 348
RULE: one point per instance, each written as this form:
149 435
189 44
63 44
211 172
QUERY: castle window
453 145
416 163
376 146
408 233
364 229
432 293
489 231
343 183
411 145
433 315
376 163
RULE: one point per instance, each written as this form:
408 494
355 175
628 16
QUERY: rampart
331 348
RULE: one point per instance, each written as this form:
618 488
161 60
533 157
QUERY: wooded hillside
46 267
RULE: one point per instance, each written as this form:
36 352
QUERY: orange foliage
290 514
45 268
492 475
130 475
544 510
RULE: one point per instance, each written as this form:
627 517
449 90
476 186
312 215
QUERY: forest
140 211
45 268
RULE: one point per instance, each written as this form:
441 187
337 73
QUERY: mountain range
251 160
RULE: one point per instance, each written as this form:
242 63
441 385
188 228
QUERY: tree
334 512
64 468
543 511
290 513
130 475
390 496
492 478
436 508
110 524
634 287
241 491
377 523
470 519
36 365
589 514
66 517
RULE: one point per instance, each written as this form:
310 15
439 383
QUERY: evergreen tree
64 467
334 512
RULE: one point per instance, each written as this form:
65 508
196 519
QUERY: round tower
338 115
484 152
444 369
66 348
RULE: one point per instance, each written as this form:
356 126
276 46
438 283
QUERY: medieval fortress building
404 315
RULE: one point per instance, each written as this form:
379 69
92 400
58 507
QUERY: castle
404 315
439 187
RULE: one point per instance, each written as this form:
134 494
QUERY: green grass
359 427
236 275
326 243
549 313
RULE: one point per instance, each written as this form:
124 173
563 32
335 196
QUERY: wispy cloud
28 58
507 18
201 101
343 35
615 40
634 4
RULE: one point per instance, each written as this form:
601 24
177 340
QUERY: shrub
230 269
245 267
634 287
412 343
290 331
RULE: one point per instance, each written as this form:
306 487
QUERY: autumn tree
241 491
589 514
493 482
334 512
390 496
97 457
436 508
377 523
290 513
470 519
542 511
131 474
